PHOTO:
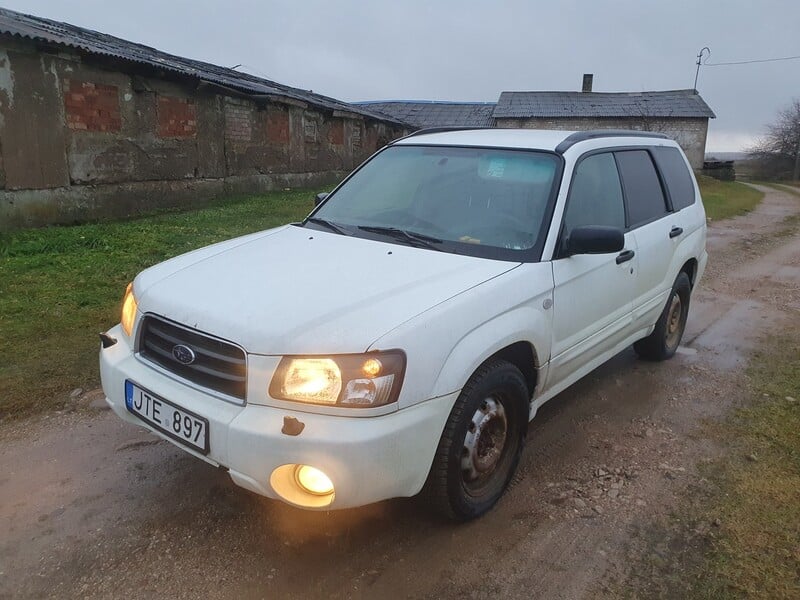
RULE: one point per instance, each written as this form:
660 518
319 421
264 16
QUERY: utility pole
699 62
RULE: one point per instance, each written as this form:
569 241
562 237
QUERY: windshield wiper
332 226
419 239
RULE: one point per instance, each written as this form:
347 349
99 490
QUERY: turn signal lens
313 480
372 367
128 310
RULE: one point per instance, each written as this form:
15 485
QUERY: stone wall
84 137
690 133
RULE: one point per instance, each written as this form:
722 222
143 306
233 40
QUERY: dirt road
92 507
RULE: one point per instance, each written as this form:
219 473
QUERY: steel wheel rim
484 444
674 322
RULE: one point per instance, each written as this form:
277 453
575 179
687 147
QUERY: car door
650 224
593 293
685 219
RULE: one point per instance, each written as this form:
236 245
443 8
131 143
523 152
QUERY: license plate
176 422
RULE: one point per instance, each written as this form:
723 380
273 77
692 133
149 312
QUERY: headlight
355 380
128 310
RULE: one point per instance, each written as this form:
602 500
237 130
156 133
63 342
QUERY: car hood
293 290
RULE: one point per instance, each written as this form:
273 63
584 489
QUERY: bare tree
779 150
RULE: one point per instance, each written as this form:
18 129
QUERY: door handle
625 256
675 232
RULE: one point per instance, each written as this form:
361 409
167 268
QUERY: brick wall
177 117
277 125
336 132
94 139
238 121
91 106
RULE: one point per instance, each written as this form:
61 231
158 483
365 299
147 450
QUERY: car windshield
479 201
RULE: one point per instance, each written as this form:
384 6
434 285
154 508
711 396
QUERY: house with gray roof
681 114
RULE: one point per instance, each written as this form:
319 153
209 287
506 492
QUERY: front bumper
367 458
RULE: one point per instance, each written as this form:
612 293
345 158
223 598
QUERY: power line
747 62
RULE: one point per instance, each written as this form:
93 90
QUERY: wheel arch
690 268
519 337
522 355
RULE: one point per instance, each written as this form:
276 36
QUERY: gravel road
93 507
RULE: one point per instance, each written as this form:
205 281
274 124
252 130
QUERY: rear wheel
666 337
481 443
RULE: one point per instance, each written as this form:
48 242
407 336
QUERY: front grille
217 365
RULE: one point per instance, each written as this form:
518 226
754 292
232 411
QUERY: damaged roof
93 42
429 113
667 104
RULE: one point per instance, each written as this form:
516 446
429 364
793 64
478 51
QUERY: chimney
587 82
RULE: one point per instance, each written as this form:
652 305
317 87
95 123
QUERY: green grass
60 286
758 551
724 199
737 532
791 188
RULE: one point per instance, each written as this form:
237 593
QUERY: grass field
758 551
724 199
60 286
737 530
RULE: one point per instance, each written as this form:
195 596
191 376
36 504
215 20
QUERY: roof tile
672 103
426 113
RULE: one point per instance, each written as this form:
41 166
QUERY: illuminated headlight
128 310
355 380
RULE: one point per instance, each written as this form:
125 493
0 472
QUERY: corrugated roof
428 113
93 42
672 103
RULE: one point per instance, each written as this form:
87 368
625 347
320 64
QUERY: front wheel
666 337
481 443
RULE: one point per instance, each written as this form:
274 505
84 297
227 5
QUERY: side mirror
319 198
595 239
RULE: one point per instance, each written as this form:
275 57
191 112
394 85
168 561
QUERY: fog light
313 480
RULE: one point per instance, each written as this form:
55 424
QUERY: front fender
522 324
445 344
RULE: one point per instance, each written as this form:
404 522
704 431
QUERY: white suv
401 337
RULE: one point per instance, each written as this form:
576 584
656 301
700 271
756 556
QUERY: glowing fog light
313 480
128 310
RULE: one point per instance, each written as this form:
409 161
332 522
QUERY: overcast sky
468 50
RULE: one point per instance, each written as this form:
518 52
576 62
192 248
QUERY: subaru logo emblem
183 354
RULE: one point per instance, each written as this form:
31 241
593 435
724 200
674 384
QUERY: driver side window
596 195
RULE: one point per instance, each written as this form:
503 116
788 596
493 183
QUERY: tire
481 444
666 337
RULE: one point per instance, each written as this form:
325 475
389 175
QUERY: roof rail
593 134
428 130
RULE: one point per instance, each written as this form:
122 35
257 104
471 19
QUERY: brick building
681 114
94 126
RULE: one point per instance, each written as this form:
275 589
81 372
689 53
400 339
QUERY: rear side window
596 194
643 193
676 176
